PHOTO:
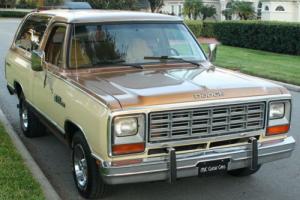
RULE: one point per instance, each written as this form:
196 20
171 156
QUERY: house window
266 8
179 10
280 8
173 9
259 8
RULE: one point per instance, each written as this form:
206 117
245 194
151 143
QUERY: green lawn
281 67
16 181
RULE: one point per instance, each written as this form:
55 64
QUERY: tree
228 12
207 11
27 4
187 8
191 8
112 4
7 3
53 2
243 9
155 5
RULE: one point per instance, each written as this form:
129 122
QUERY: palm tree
245 10
155 5
207 11
192 8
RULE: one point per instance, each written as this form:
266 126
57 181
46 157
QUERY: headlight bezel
132 139
279 122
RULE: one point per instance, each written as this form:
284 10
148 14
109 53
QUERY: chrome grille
205 122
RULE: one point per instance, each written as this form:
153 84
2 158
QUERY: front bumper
162 168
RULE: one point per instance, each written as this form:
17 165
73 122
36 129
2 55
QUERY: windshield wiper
119 62
171 58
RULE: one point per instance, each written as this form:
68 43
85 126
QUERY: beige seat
53 54
54 48
137 50
79 56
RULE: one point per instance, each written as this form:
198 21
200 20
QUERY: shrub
201 29
280 37
15 14
195 26
27 4
208 29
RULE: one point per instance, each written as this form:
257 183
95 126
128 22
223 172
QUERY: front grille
205 122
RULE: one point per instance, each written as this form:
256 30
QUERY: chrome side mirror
37 58
212 52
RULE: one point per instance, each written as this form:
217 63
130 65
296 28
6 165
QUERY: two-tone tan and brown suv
138 100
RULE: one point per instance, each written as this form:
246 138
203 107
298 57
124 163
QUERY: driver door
46 92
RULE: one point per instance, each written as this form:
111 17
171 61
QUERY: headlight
277 110
126 126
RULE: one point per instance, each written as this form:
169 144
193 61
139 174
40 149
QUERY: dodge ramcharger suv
137 99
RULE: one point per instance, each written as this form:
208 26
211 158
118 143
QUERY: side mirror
37 58
212 52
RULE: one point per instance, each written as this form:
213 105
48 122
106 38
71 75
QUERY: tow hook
254 153
172 165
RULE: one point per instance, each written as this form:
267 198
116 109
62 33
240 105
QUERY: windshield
95 45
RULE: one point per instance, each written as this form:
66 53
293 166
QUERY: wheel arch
70 129
18 88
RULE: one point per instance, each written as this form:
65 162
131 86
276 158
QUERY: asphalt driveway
275 181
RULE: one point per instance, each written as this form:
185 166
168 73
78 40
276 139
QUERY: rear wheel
247 171
30 124
85 170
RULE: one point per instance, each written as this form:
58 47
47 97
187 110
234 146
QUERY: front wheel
247 171
85 170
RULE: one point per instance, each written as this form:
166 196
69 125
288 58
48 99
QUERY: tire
243 171
85 171
30 124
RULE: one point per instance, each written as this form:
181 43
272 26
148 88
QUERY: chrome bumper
160 168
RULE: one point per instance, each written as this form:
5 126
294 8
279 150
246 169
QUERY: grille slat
205 122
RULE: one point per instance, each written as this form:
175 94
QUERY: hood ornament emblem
209 94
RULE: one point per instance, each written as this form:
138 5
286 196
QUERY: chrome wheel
24 117
80 166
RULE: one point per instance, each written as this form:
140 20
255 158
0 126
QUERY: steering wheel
173 52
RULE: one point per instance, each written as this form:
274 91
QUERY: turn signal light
122 149
276 130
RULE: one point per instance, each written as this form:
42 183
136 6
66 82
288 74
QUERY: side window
31 33
55 46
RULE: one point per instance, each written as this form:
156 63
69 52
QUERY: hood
122 89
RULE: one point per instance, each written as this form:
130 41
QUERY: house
279 10
176 6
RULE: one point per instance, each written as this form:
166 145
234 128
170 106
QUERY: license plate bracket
212 168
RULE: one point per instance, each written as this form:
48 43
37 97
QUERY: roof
85 16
